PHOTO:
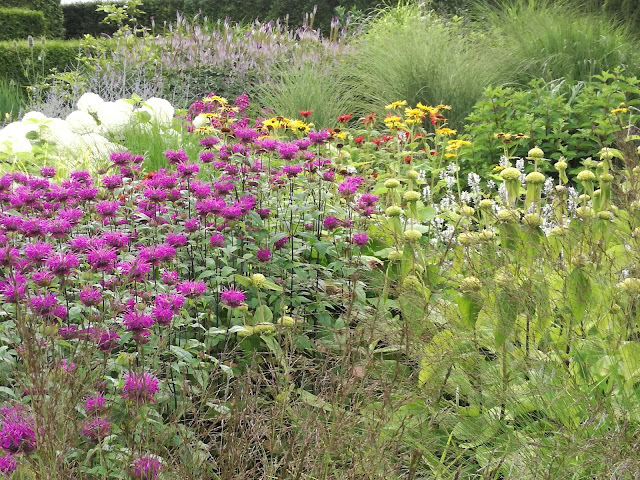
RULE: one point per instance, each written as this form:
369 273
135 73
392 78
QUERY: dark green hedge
18 24
26 64
51 9
81 19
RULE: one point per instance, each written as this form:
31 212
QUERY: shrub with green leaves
571 122
51 9
18 24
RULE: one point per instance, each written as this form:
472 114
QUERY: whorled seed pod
470 284
396 255
532 220
535 153
392 183
467 211
585 213
468 238
393 211
412 235
508 215
411 196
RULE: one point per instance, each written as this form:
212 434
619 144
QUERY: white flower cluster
81 139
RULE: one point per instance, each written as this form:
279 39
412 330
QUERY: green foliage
553 40
27 65
51 9
18 24
407 53
569 122
11 100
81 18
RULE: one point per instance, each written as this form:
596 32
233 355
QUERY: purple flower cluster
140 387
17 431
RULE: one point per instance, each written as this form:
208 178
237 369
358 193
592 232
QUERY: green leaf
263 314
469 309
630 353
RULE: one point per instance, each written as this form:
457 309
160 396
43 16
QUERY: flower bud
508 216
396 255
392 183
579 260
486 235
561 164
532 220
584 198
585 213
606 154
536 153
467 238
394 211
510 174
412 174
412 235
586 176
486 204
605 215
286 321
258 280
264 327
245 333
411 282
606 178
470 285
559 231
467 211
535 178
411 196
630 286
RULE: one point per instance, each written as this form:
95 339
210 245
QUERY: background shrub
26 65
18 23
82 18
51 9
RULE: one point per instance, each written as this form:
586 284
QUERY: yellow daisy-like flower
340 135
394 122
397 104
205 129
443 107
215 98
619 110
212 115
426 108
450 155
414 113
498 168
447 132
299 126
271 124
453 145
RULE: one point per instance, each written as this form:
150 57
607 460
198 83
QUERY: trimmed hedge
22 63
82 18
18 24
51 9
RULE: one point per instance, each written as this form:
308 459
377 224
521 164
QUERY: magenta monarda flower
90 297
186 170
331 223
107 209
95 403
106 340
175 157
140 387
17 431
360 239
169 277
263 255
120 159
146 467
279 244
8 464
135 321
48 172
61 264
217 240
232 297
102 259
191 289
96 428
38 252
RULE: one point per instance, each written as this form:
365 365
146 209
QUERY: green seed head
412 235
470 285
411 282
605 215
286 321
508 216
584 197
586 176
532 220
510 174
394 211
585 213
534 178
559 231
392 183
580 260
467 211
264 327
561 165
468 238
396 255
486 204
536 153
561 190
606 154
412 174
486 235
504 279
606 178
630 286
247 332
258 280
411 196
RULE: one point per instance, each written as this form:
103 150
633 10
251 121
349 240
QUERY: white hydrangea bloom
200 121
113 118
34 117
90 102
13 139
81 122
124 105
57 131
161 111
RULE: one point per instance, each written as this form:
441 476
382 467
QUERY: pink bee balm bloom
146 467
360 239
232 297
140 387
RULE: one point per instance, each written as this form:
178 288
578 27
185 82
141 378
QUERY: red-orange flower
305 113
344 118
